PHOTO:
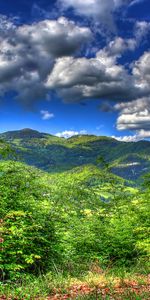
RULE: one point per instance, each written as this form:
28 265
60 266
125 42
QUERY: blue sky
73 67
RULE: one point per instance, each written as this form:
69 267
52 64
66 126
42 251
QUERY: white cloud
46 115
98 77
69 133
99 10
134 115
127 138
141 72
119 45
144 133
28 53
32 63
142 28
140 135
48 35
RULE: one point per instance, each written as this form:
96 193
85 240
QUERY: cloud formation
28 53
142 29
46 115
69 133
134 115
99 10
44 56
98 77
140 135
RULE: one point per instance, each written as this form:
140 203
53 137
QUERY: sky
70 67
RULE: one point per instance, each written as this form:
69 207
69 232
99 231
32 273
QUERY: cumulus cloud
140 135
134 115
32 63
28 53
6 25
46 115
99 10
98 77
69 133
141 72
126 138
118 46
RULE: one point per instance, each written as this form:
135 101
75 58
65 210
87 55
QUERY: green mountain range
53 154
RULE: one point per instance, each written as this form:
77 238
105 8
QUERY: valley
52 154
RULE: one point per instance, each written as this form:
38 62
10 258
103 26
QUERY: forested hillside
53 154
84 227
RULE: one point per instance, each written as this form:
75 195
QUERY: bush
29 242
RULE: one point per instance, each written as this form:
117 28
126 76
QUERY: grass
96 284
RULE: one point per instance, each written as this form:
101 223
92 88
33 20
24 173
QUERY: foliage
54 154
6 150
78 223
73 218
28 234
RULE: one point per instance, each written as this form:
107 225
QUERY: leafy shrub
29 241
59 220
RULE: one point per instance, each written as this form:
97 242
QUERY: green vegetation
82 229
53 154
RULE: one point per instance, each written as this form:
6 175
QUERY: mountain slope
53 154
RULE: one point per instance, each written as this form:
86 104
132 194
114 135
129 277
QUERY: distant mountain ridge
23 133
54 154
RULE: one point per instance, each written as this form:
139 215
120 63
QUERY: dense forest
79 233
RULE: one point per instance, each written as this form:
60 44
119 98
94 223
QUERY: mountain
25 133
53 154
